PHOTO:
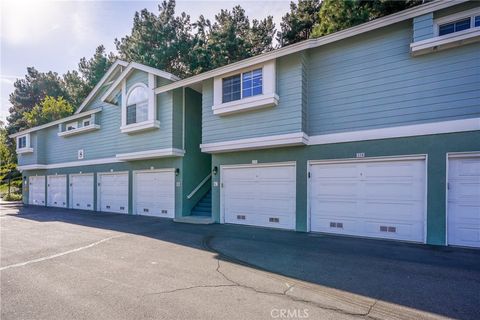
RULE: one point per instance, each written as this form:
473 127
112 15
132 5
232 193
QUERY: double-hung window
464 23
244 85
22 142
137 105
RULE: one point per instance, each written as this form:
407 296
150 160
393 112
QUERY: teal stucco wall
434 146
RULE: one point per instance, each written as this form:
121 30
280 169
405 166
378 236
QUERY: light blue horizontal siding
372 81
135 77
423 27
285 118
108 140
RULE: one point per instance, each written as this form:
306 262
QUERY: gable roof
110 71
313 43
137 66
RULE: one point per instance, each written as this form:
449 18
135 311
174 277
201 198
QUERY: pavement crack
286 295
190 288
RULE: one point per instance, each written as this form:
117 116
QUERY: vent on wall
145 210
240 217
122 208
276 220
388 229
165 211
336 225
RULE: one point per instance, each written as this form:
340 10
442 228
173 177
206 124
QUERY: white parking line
21 264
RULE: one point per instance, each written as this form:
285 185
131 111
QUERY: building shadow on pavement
440 280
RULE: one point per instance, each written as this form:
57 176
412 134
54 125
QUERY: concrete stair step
195 220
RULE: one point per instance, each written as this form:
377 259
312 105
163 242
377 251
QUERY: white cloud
27 22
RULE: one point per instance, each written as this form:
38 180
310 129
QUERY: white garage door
464 202
57 191
36 193
262 195
113 192
154 193
384 199
81 191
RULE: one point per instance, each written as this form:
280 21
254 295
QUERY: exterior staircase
201 213
204 207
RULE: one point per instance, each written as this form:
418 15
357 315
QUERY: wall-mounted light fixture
215 170
177 171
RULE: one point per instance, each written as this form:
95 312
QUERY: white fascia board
101 83
54 123
69 164
151 154
313 43
137 66
282 140
398 132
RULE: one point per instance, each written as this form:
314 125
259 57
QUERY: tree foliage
336 15
29 92
50 109
297 24
172 43
230 38
161 41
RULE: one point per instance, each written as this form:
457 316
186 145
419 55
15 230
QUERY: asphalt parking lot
62 264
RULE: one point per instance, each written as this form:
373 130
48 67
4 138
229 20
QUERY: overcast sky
54 35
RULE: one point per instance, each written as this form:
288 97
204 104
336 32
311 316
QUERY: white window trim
450 40
89 122
268 98
27 148
91 127
151 122
72 124
444 42
454 17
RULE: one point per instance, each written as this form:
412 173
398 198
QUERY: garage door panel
382 194
36 195
274 174
261 196
336 224
334 208
393 230
260 219
465 168
394 190
393 169
154 193
57 191
464 201
337 171
114 192
397 210
322 188
81 191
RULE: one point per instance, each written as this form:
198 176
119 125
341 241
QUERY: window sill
447 41
139 127
24 150
88 128
247 104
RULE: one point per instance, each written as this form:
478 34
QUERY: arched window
137 105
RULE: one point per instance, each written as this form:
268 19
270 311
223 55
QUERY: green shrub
12 197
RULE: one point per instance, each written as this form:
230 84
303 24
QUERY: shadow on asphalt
441 280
